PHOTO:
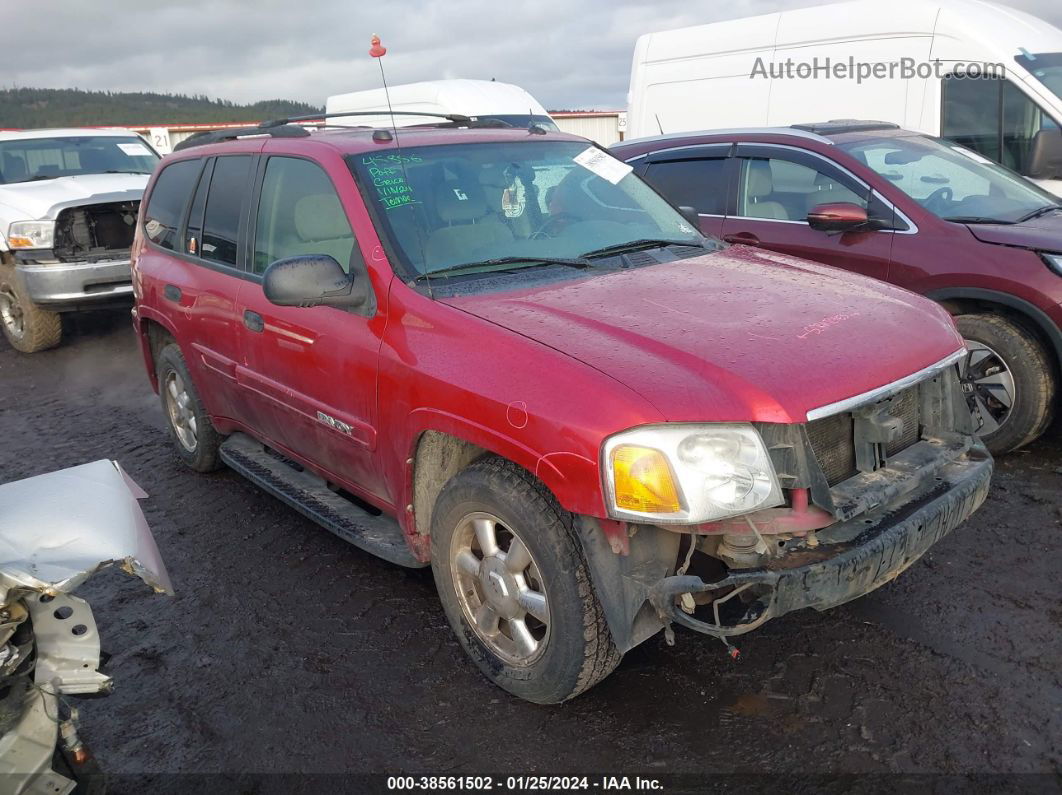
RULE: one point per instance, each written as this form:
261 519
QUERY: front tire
1008 376
193 434
27 327
515 586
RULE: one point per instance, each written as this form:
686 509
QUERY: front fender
571 477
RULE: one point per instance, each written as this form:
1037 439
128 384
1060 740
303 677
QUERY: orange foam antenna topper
377 50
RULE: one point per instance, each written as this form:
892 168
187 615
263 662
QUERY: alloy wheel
500 588
988 385
11 313
179 409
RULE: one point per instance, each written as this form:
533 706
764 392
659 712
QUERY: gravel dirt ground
286 650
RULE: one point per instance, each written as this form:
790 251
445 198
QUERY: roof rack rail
457 118
218 136
288 128
837 126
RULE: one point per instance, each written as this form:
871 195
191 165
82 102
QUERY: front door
693 176
777 187
310 372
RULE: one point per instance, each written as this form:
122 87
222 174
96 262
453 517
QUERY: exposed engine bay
95 232
56 531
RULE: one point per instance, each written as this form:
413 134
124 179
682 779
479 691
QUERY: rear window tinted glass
221 222
692 183
168 198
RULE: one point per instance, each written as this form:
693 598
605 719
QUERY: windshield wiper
976 219
634 245
477 267
1038 212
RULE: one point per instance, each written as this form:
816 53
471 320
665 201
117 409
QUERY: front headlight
1054 262
688 474
31 234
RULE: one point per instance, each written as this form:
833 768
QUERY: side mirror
312 280
837 217
690 214
1045 156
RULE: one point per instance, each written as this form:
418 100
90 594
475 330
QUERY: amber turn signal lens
644 482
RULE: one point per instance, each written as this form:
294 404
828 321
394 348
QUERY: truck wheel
515 586
1008 377
27 327
193 434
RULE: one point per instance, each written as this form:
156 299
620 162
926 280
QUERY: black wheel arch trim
1033 313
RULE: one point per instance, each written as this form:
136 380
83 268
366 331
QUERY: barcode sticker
603 164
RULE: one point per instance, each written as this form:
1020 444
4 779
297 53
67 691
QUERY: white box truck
898 62
477 99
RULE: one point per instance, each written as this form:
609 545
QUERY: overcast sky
568 53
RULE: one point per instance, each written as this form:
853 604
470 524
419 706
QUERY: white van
803 66
477 99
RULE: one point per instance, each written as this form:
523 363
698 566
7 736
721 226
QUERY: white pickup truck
68 207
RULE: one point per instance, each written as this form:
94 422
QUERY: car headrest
493 176
93 160
459 203
14 168
320 216
760 181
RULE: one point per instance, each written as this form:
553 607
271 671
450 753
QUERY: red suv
501 353
926 214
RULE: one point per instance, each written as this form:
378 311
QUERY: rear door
310 372
694 176
196 276
778 185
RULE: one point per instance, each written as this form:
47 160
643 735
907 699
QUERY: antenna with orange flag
378 51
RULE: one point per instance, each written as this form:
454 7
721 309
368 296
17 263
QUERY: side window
783 190
300 213
224 206
970 114
697 183
193 232
1022 120
162 218
994 118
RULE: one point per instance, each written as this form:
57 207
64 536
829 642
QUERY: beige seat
321 227
472 232
829 191
759 186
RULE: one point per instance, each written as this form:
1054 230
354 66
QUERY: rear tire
545 662
1033 398
193 434
27 327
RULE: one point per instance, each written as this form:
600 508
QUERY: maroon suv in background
920 212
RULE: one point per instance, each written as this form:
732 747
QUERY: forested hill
71 107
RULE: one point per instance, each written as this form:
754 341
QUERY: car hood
1044 232
35 201
736 335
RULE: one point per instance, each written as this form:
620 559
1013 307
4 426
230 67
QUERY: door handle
742 238
253 320
172 292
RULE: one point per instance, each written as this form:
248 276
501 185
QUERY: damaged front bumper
850 559
72 285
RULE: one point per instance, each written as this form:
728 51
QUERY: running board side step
310 496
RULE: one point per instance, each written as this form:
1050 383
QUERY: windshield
29 159
450 205
1045 67
951 181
